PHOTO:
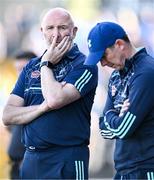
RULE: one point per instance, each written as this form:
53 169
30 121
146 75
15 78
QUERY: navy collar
73 52
132 60
142 51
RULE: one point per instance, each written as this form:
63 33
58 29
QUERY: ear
41 29
120 44
75 29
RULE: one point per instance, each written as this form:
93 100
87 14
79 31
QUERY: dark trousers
15 151
56 163
140 174
14 169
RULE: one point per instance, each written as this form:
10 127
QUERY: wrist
47 63
42 109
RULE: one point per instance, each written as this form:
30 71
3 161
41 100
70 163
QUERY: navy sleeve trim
83 80
124 127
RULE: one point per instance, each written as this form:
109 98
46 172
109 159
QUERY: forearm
21 115
57 94
52 90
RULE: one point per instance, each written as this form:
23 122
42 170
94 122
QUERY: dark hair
25 54
126 39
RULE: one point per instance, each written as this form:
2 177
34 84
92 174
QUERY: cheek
68 32
48 32
115 59
46 35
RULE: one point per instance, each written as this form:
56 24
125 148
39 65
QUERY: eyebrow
61 25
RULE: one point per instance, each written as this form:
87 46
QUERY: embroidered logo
35 74
89 43
113 91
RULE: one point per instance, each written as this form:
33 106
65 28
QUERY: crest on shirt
35 74
113 90
89 43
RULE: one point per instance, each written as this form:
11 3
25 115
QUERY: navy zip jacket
69 125
134 131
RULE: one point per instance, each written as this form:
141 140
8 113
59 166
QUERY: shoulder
78 64
143 62
147 74
87 68
93 68
33 63
144 67
144 79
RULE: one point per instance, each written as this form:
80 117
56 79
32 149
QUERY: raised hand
56 52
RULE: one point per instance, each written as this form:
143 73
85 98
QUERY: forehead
56 18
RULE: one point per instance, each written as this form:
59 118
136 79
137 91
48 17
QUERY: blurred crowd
19 29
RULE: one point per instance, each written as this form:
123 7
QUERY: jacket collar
132 60
73 52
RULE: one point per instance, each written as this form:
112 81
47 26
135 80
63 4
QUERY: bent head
57 23
108 43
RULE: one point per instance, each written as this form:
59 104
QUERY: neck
131 51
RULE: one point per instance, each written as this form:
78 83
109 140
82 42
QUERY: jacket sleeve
84 78
141 98
20 84
105 132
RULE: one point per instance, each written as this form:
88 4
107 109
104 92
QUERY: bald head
57 13
58 23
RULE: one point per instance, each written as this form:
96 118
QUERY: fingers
65 44
53 44
124 107
64 41
126 103
56 52
66 47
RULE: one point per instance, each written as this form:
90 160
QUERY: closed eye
63 27
49 27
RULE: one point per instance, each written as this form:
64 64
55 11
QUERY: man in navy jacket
128 115
53 98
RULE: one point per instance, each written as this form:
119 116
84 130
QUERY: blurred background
20 30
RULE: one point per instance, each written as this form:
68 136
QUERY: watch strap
46 63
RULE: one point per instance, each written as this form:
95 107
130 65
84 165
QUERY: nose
55 32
